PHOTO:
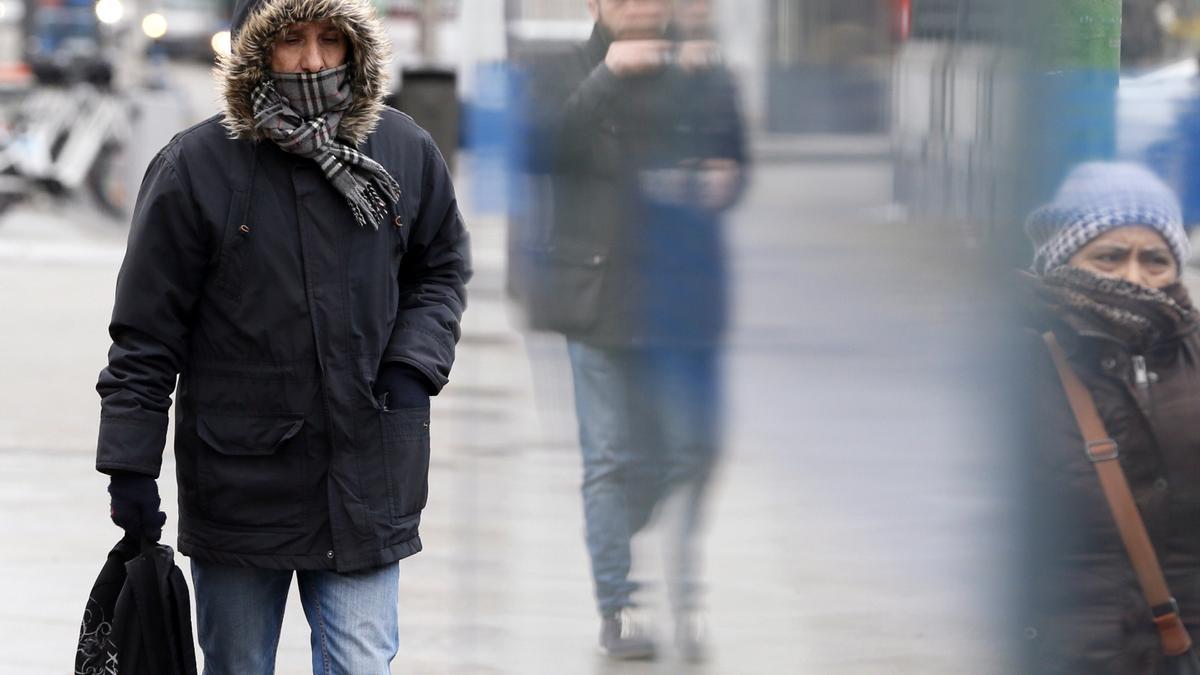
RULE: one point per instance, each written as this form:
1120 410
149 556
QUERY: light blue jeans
353 618
649 431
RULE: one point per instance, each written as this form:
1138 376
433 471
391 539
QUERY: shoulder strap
1102 452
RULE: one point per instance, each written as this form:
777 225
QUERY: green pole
1069 100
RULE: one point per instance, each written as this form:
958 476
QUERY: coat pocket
565 288
400 226
253 470
235 240
233 435
405 434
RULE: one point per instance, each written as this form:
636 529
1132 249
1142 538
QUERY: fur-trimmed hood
255 26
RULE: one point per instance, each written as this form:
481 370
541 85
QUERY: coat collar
597 45
249 61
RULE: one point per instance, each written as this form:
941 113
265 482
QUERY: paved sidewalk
854 526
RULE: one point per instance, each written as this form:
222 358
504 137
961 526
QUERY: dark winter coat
1085 612
247 276
594 253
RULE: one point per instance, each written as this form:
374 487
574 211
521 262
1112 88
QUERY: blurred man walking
638 133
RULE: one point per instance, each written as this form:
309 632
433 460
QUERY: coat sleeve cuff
436 381
131 445
429 353
397 374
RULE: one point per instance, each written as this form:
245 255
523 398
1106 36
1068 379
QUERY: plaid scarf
300 112
1137 316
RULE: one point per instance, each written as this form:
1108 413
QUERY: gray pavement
856 521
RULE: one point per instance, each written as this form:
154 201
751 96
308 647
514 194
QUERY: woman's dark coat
1084 610
247 276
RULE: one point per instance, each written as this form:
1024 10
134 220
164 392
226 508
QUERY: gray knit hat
1100 196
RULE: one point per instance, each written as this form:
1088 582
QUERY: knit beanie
1100 196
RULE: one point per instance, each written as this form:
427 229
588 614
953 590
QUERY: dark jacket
596 252
1085 612
247 276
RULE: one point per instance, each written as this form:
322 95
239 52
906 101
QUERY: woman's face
309 48
1136 254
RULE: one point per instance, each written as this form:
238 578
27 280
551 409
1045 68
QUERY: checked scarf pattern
300 112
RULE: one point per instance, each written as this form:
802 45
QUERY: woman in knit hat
1105 283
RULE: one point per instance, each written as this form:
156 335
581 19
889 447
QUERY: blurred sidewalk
823 557
839 148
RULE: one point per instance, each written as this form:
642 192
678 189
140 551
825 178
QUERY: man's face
309 48
694 16
632 19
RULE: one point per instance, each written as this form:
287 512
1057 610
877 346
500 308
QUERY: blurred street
858 502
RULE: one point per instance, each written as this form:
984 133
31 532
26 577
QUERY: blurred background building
819 66
827 64
954 118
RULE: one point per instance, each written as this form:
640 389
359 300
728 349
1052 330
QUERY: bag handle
1102 452
148 604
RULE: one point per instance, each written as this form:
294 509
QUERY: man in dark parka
299 263
635 152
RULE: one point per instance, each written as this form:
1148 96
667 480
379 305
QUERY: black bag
138 617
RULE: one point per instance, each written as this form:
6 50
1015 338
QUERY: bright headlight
154 25
221 43
110 11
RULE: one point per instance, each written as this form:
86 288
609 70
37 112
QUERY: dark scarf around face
301 113
1137 316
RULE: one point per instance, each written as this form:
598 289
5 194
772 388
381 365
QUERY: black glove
135 505
401 386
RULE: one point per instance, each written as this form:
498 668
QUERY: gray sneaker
691 637
622 637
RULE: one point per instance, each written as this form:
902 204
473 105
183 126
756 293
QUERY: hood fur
249 63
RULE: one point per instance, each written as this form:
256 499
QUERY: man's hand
134 506
720 182
402 386
698 55
638 57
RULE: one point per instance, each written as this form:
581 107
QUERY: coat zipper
1142 380
1140 376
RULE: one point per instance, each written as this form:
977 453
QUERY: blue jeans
353 618
649 431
